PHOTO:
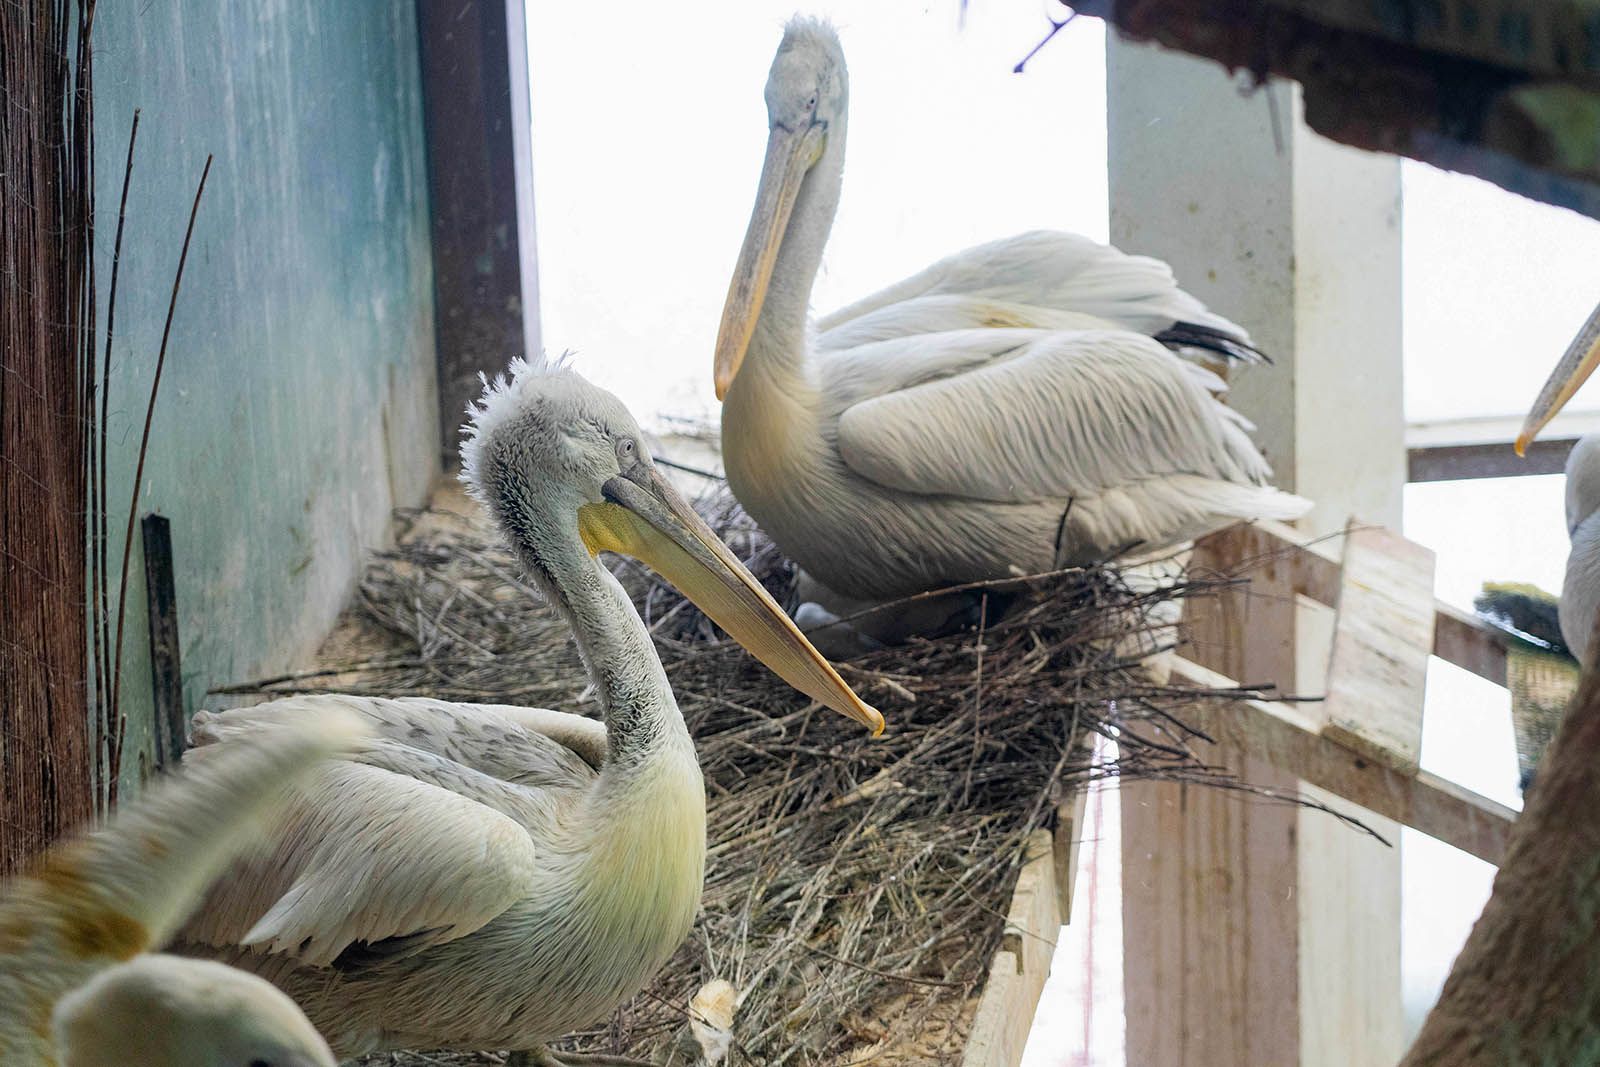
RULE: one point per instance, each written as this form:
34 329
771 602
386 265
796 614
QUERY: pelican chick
495 877
1010 410
75 987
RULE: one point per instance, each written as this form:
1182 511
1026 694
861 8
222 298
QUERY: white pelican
490 877
1580 590
75 988
1006 411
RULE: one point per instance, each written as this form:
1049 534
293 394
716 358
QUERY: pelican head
1578 362
563 467
807 95
183 1013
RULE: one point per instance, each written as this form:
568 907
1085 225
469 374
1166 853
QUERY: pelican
1009 410
76 988
485 877
1580 589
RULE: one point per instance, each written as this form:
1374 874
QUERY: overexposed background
648 132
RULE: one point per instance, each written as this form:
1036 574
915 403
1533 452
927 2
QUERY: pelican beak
646 518
1580 360
790 154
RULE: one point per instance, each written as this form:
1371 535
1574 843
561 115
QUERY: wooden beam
1018 972
1455 463
1463 639
1287 738
1526 129
1382 638
1068 845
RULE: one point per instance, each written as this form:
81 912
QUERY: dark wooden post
475 92
166 671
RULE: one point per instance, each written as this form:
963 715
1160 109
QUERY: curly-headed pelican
1011 409
487 877
76 988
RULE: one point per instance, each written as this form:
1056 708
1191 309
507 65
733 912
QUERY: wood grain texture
1210 911
1018 972
1382 639
45 226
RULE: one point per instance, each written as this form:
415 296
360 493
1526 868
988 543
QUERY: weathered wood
478 262
166 668
1464 640
1286 737
1518 122
46 211
1068 846
1210 923
1017 975
1382 638
1210 898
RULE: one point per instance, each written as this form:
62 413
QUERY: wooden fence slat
1382 638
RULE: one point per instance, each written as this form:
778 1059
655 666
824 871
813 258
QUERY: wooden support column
480 185
1257 933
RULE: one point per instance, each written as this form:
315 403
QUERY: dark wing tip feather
1528 613
1230 346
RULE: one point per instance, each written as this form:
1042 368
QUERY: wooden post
475 100
166 666
1209 901
1256 933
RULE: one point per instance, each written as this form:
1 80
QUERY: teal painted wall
298 403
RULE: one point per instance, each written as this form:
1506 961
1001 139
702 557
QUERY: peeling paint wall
298 404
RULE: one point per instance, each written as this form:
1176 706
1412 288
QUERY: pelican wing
1043 279
413 840
1035 415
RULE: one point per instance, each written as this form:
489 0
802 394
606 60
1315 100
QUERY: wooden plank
1017 974
1210 885
1068 845
1285 737
1210 923
1382 638
1462 639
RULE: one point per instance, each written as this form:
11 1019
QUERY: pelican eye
627 451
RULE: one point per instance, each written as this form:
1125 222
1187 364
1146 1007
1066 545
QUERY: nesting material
855 888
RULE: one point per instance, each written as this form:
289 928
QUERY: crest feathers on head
503 398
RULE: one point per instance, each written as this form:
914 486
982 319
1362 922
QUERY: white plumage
1012 408
495 877
1580 590
72 934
